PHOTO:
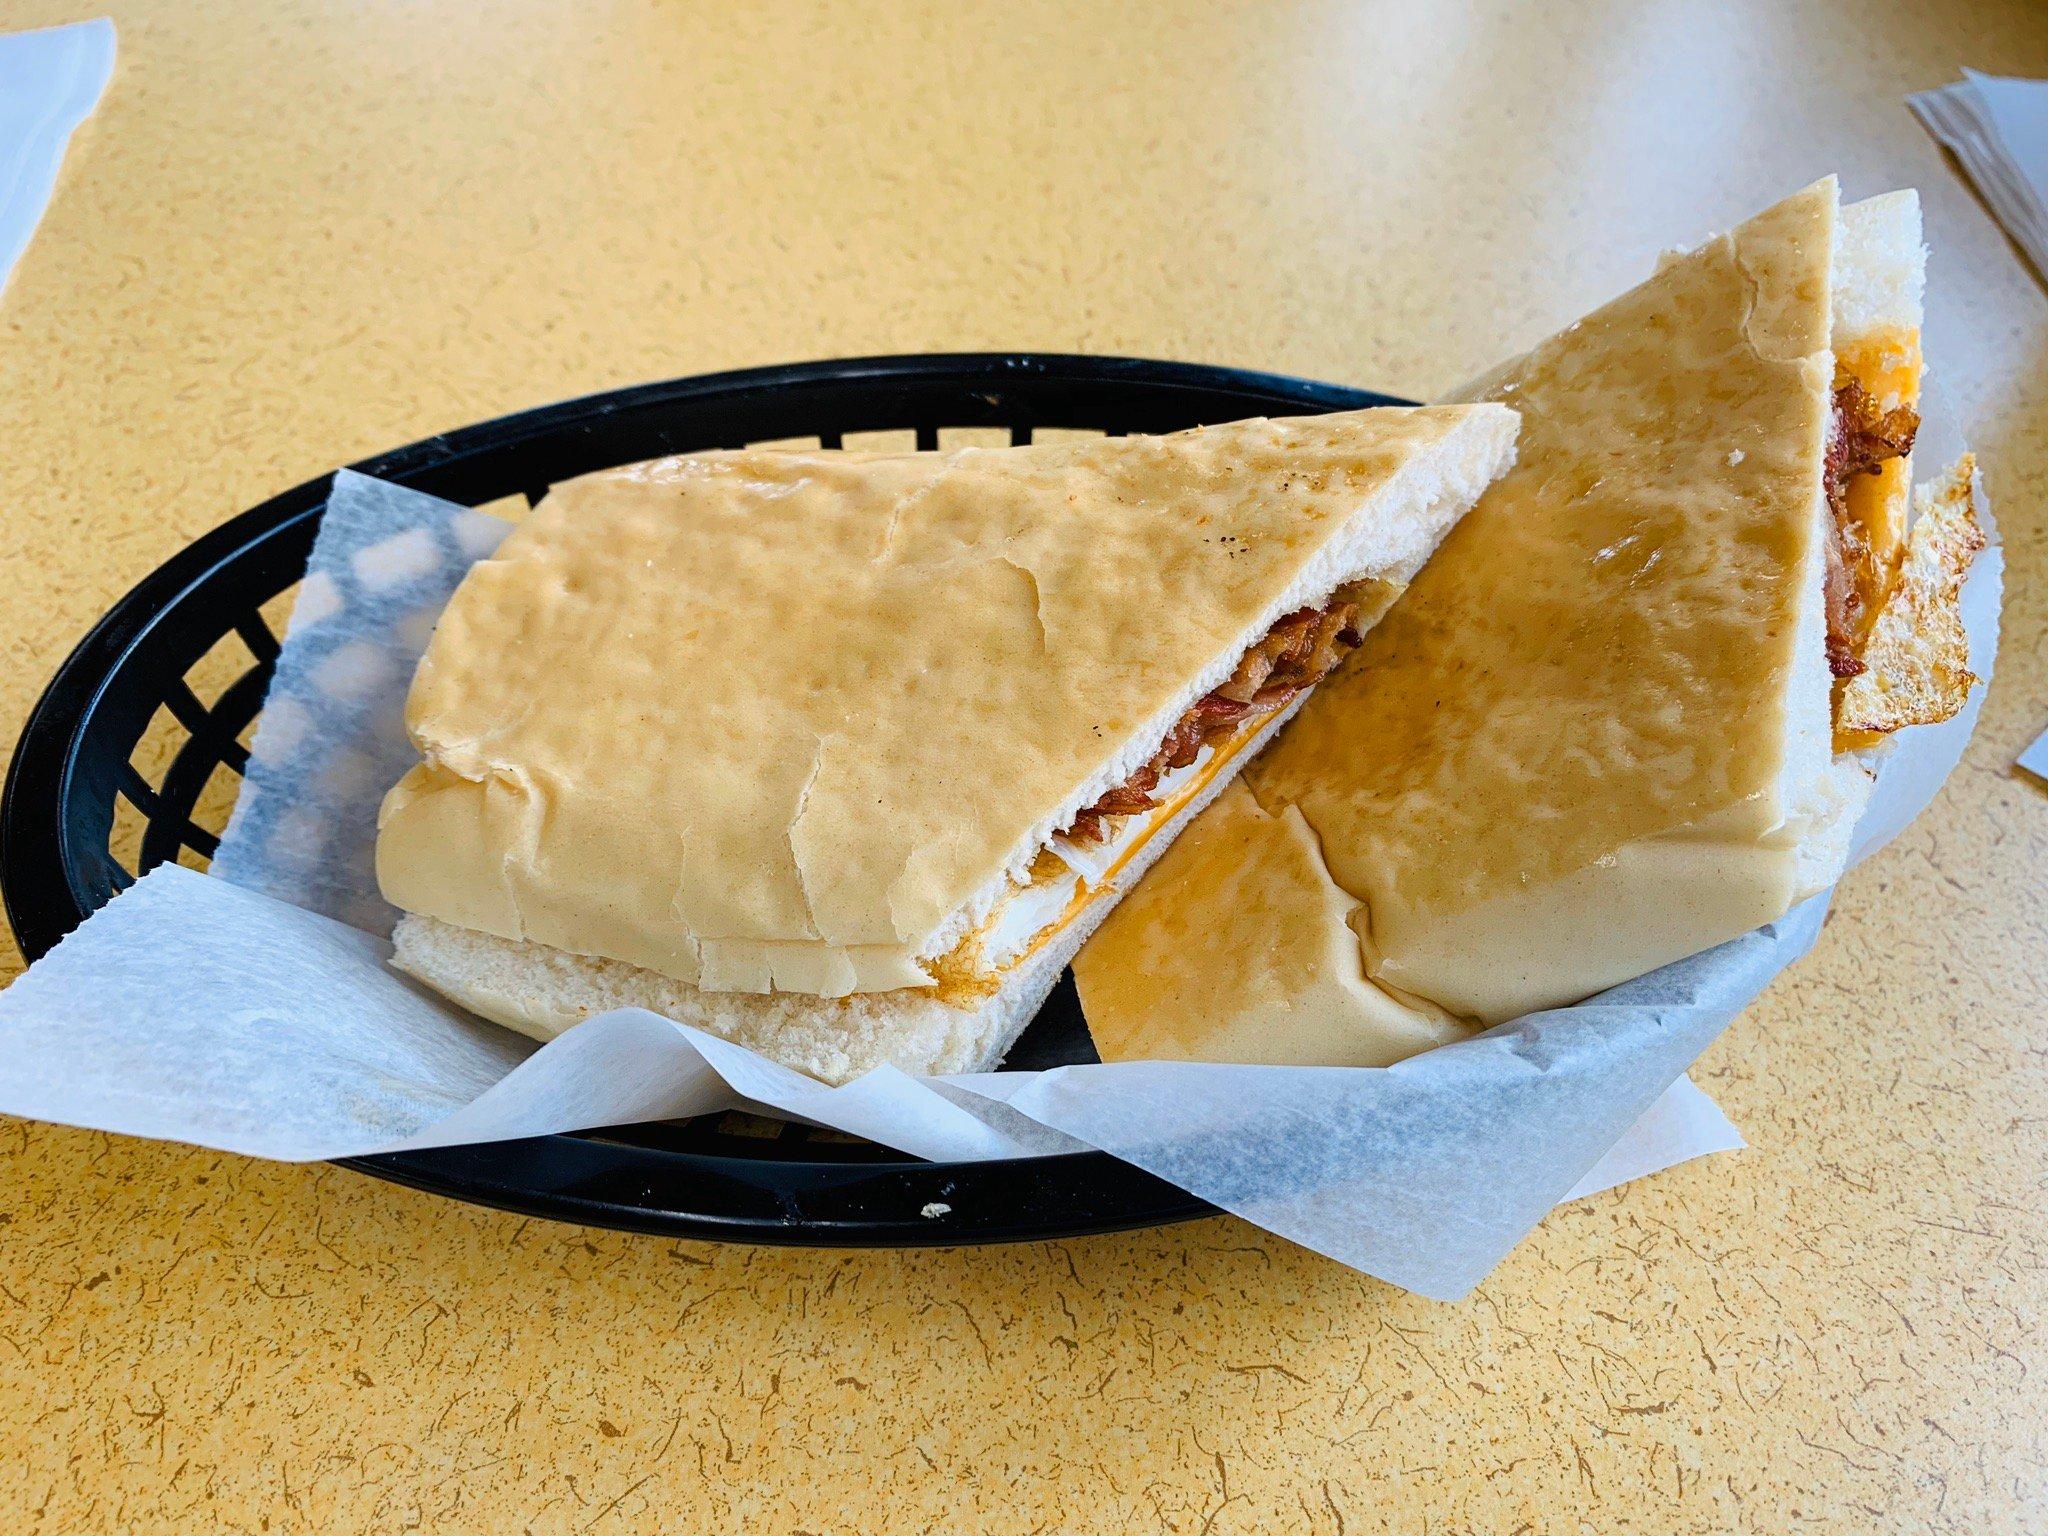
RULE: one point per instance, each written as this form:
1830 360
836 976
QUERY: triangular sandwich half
842 755
1629 710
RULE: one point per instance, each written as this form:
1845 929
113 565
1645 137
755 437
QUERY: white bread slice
1880 267
1438 778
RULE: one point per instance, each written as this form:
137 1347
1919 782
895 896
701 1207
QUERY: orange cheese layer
960 982
1888 365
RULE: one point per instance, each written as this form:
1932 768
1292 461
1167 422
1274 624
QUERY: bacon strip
1297 653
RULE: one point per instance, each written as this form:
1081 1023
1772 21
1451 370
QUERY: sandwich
842 755
1634 706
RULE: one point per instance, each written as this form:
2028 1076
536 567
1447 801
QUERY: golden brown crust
1248 894
1865 437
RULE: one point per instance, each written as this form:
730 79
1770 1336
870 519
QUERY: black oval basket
719 1176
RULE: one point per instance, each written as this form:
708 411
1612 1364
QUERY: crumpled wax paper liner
251 1010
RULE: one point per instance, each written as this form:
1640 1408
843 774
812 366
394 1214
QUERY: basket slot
225 660
187 708
136 791
830 440
927 439
974 435
257 636
199 840
1020 435
217 742
164 828
162 839
156 846
234 710
216 728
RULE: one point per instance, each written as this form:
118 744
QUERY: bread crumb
935 1210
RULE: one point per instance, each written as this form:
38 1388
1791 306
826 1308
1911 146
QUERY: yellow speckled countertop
296 233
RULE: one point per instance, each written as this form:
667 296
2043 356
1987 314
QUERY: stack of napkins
1998 129
49 83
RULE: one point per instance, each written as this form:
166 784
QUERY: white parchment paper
251 1010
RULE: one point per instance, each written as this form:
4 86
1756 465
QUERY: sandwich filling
1083 859
1296 654
1863 436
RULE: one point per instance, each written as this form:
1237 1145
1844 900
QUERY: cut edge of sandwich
1912 582
1908 649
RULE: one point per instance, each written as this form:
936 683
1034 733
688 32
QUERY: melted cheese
1887 363
1038 912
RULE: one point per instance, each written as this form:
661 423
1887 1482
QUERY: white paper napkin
49 83
1997 128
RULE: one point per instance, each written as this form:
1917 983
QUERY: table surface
297 233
